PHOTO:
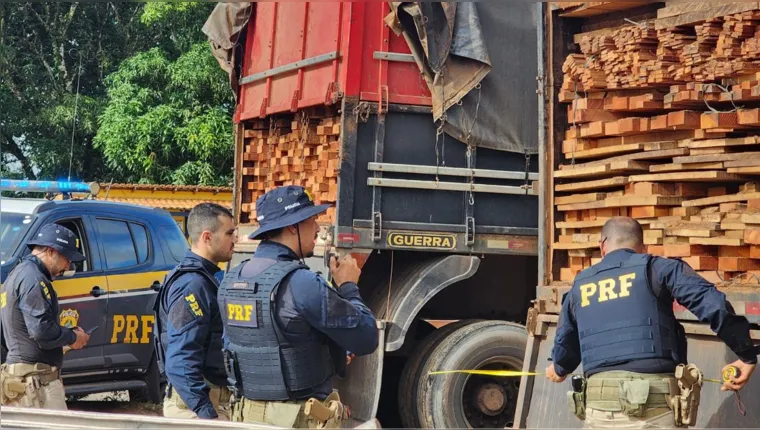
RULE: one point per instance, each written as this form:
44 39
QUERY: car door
131 258
82 297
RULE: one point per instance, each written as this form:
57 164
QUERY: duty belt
604 388
45 372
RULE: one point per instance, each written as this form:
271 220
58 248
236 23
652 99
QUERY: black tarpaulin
480 61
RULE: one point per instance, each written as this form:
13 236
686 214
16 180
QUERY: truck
422 128
541 404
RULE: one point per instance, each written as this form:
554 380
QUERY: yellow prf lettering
587 290
128 325
248 311
131 332
147 327
118 327
230 311
626 284
3 299
239 312
606 290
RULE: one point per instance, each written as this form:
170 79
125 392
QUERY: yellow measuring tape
515 373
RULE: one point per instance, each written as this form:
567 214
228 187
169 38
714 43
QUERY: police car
128 251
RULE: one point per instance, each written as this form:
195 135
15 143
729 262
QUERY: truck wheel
410 376
154 392
474 401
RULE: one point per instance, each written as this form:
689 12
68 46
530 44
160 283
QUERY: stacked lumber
643 56
673 142
281 152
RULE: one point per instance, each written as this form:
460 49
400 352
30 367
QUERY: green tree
169 121
55 63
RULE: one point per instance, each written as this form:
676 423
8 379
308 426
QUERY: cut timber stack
664 126
299 152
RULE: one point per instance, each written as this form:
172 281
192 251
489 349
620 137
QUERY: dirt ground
115 402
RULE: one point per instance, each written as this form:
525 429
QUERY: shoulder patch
194 306
45 290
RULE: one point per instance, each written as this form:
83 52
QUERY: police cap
59 238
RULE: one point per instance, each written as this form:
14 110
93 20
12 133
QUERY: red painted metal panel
282 33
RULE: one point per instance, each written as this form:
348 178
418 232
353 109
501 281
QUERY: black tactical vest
266 366
213 368
619 317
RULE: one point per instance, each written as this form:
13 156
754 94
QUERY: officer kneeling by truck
287 331
34 338
618 321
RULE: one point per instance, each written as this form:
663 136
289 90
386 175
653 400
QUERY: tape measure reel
731 372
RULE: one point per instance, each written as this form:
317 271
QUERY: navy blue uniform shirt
676 280
30 316
192 306
308 306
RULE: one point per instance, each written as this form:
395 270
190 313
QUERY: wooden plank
600 184
579 198
601 170
626 201
716 143
744 170
675 167
687 250
642 155
709 201
599 8
680 8
743 162
701 15
711 158
706 176
566 246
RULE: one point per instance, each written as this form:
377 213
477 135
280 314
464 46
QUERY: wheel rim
489 401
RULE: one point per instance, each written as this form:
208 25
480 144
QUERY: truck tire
154 392
410 376
473 401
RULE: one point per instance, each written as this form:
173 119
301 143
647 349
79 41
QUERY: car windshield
12 229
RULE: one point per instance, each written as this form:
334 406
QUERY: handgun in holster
577 397
233 373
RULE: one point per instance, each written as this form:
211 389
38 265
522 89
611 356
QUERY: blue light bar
49 186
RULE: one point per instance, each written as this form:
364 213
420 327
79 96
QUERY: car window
76 226
12 230
142 244
175 240
117 244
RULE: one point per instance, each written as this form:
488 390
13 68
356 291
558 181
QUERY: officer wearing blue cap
31 329
287 331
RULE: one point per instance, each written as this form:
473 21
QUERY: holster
12 387
233 374
330 409
686 403
577 401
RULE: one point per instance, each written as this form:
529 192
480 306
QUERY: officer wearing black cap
287 331
31 329
618 322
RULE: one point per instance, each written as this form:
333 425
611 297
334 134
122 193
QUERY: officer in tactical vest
287 330
618 322
189 321
31 331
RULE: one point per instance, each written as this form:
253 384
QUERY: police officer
618 321
190 323
287 330
31 376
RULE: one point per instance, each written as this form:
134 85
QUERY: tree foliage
56 87
168 121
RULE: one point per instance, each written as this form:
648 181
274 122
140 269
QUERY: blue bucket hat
59 238
284 206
